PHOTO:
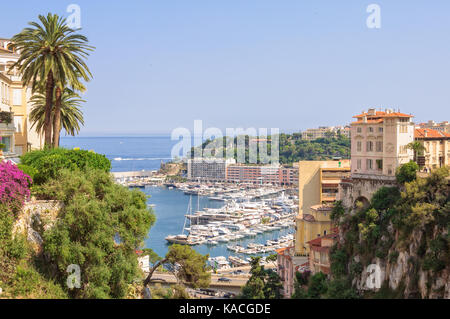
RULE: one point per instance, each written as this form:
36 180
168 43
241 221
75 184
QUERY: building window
18 123
358 164
379 146
371 129
17 97
359 130
7 141
369 164
358 146
380 129
369 146
379 164
403 129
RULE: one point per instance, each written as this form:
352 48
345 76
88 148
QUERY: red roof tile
383 114
429 133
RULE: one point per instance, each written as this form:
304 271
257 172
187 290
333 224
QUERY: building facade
208 169
443 127
325 131
379 142
318 188
319 257
262 174
14 98
287 266
379 145
436 151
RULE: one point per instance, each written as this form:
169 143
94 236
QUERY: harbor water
170 209
170 205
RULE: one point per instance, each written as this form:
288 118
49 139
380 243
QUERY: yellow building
318 188
15 98
437 148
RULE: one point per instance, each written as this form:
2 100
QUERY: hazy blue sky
292 65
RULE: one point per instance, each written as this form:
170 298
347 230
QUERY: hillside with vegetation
405 231
291 148
98 228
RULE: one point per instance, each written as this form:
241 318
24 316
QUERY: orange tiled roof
383 114
430 133
280 251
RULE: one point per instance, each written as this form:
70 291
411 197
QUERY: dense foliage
262 284
49 163
407 173
396 218
14 186
98 229
18 276
291 148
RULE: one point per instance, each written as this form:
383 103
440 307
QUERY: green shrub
29 170
384 198
99 228
48 163
407 172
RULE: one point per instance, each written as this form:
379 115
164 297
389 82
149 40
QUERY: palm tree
418 149
71 116
51 54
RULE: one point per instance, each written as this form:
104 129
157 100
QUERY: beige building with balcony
379 142
14 98
318 188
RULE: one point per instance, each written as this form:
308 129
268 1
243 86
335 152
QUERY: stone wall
356 188
36 217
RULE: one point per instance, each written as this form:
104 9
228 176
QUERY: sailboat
182 238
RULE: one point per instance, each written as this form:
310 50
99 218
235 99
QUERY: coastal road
236 281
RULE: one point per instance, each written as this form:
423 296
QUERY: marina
241 224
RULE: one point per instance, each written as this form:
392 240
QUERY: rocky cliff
398 245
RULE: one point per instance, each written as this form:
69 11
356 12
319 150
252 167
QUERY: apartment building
443 127
379 142
262 174
14 99
208 169
436 151
319 257
318 189
325 131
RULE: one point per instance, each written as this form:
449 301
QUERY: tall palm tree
418 149
51 54
71 116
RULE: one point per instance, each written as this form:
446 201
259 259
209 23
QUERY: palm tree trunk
48 110
57 117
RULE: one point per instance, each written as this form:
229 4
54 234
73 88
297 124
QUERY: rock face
36 217
405 273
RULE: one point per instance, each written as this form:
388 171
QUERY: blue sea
127 153
146 153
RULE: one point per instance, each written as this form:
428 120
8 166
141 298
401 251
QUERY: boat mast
189 209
